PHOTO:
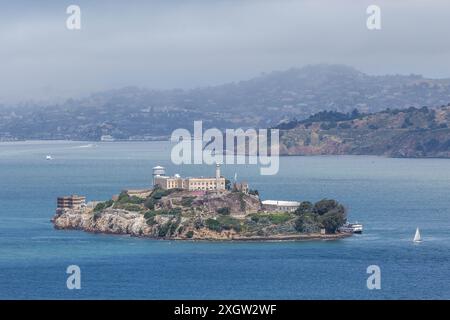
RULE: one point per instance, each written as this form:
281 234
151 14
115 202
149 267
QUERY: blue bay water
391 197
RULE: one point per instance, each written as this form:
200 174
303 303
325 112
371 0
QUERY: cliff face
109 221
399 133
179 214
166 214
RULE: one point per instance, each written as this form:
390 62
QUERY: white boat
48 157
352 228
417 237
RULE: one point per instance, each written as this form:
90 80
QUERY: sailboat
417 237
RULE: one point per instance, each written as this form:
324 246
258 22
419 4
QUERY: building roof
281 203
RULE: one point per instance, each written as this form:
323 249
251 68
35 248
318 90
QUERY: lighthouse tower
217 176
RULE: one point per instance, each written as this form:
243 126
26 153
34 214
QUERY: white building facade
191 184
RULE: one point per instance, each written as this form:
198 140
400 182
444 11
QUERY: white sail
417 237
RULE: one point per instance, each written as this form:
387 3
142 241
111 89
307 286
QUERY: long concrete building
280 205
192 183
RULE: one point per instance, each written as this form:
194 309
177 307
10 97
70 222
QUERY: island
221 211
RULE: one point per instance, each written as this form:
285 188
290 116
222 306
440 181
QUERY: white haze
168 44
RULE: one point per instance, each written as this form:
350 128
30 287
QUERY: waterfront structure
279 205
71 202
192 183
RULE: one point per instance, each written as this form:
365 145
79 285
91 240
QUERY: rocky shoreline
182 215
77 221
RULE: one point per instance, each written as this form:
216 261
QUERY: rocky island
179 214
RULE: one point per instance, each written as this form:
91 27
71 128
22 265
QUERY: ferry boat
352 228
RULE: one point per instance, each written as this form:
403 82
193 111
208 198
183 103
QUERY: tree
331 221
304 207
307 223
189 234
213 225
323 206
328 214
224 211
227 184
149 203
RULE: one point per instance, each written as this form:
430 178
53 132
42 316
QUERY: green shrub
213 225
173 226
103 205
150 221
149 203
278 218
99 207
135 200
174 211
131 207
274 218
168 228
163 230
157 194
228 223
190 234
123 197
187 201
149 214
224 211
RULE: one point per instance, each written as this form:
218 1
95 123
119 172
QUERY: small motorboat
48 157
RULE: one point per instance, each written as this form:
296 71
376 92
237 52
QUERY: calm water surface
390 196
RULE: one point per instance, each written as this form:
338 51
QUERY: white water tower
158 171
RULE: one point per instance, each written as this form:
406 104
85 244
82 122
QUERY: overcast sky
171 43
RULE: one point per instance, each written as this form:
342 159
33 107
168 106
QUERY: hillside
412 132
138 113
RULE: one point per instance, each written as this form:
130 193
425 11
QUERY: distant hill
136 113
411 132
